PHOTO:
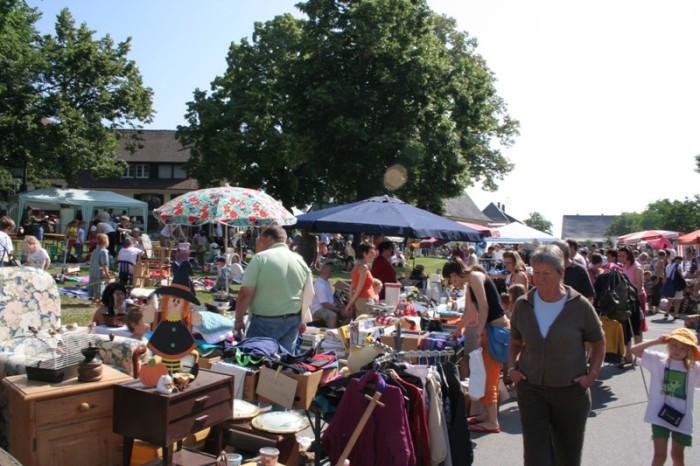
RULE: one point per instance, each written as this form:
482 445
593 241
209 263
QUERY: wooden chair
160 262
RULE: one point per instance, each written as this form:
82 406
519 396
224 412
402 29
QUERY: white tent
85 200
518 233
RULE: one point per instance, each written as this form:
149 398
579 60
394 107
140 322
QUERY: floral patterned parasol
232 206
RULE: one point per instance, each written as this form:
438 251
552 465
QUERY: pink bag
643 327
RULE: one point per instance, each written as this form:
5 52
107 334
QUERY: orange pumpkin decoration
151 372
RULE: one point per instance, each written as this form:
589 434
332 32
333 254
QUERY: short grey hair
564 246
549 254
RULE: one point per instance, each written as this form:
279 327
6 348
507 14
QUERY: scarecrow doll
172 339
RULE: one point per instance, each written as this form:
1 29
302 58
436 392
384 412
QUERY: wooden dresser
145 414
65 423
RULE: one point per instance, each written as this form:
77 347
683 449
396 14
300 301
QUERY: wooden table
145 414
64 423
56 238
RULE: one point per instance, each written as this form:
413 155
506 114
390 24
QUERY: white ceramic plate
280 422
244 410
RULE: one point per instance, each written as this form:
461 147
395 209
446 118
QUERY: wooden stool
243 436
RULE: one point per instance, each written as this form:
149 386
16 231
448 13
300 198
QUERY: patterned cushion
28 298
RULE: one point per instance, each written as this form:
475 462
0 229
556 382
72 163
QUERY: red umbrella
431 242
647 235
690 238
484 230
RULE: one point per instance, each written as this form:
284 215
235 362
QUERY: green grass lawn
81 311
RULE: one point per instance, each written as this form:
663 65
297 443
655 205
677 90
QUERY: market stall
80 199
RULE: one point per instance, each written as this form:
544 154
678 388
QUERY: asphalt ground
616 433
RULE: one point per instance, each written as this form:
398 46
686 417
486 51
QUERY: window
165 172
179 172
137 170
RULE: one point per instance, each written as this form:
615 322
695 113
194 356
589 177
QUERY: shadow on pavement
602 394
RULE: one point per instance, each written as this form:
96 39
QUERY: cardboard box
249 385
205 363
411 340
306 387
249 379
311 340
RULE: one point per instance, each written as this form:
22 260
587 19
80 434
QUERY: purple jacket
386 438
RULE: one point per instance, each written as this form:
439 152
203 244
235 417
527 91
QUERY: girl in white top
674 378
36 255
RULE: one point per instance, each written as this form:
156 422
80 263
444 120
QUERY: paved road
615 433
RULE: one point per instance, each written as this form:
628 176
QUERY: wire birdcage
54 358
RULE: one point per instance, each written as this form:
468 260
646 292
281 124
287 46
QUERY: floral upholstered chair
30 307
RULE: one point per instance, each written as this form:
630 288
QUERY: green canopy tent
85 200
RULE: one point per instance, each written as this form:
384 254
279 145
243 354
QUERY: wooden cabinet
145 414
65 423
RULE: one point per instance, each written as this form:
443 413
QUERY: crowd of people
557 341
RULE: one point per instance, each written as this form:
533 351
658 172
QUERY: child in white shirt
674 378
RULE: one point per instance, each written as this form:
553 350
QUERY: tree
538 222
62 98
664 214
627 222
316 109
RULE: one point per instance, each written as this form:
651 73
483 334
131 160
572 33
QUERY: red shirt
384 271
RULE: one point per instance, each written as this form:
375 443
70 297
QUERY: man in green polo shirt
272 291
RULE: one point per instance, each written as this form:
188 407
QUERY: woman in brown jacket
548 363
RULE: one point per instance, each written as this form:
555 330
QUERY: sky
606 92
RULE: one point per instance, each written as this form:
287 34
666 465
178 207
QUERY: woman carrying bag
482 292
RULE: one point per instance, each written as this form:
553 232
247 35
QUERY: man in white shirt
6 248
129 254
107 229
498 253
323 306
575 255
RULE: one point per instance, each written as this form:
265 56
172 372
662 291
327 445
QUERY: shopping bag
477 374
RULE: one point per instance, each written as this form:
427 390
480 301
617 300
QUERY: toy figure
172 339
165 385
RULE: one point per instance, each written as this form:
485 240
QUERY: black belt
284 316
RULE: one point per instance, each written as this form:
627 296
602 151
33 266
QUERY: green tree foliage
627 222
62 98
537 221
676 215
316 109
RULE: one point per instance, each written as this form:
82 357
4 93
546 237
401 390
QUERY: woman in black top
485 297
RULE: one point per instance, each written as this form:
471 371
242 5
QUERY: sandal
484 430
471 420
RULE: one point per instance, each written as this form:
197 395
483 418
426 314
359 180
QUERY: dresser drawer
199 402
193 423
76 408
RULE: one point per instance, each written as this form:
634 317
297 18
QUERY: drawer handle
201 418
84 407
201 399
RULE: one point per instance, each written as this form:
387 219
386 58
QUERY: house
155 173
586 228
463 209
497 214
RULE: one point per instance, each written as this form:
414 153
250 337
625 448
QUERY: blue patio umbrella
385 215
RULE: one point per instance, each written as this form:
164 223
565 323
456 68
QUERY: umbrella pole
226 254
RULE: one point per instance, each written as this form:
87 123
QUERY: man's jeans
283 329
